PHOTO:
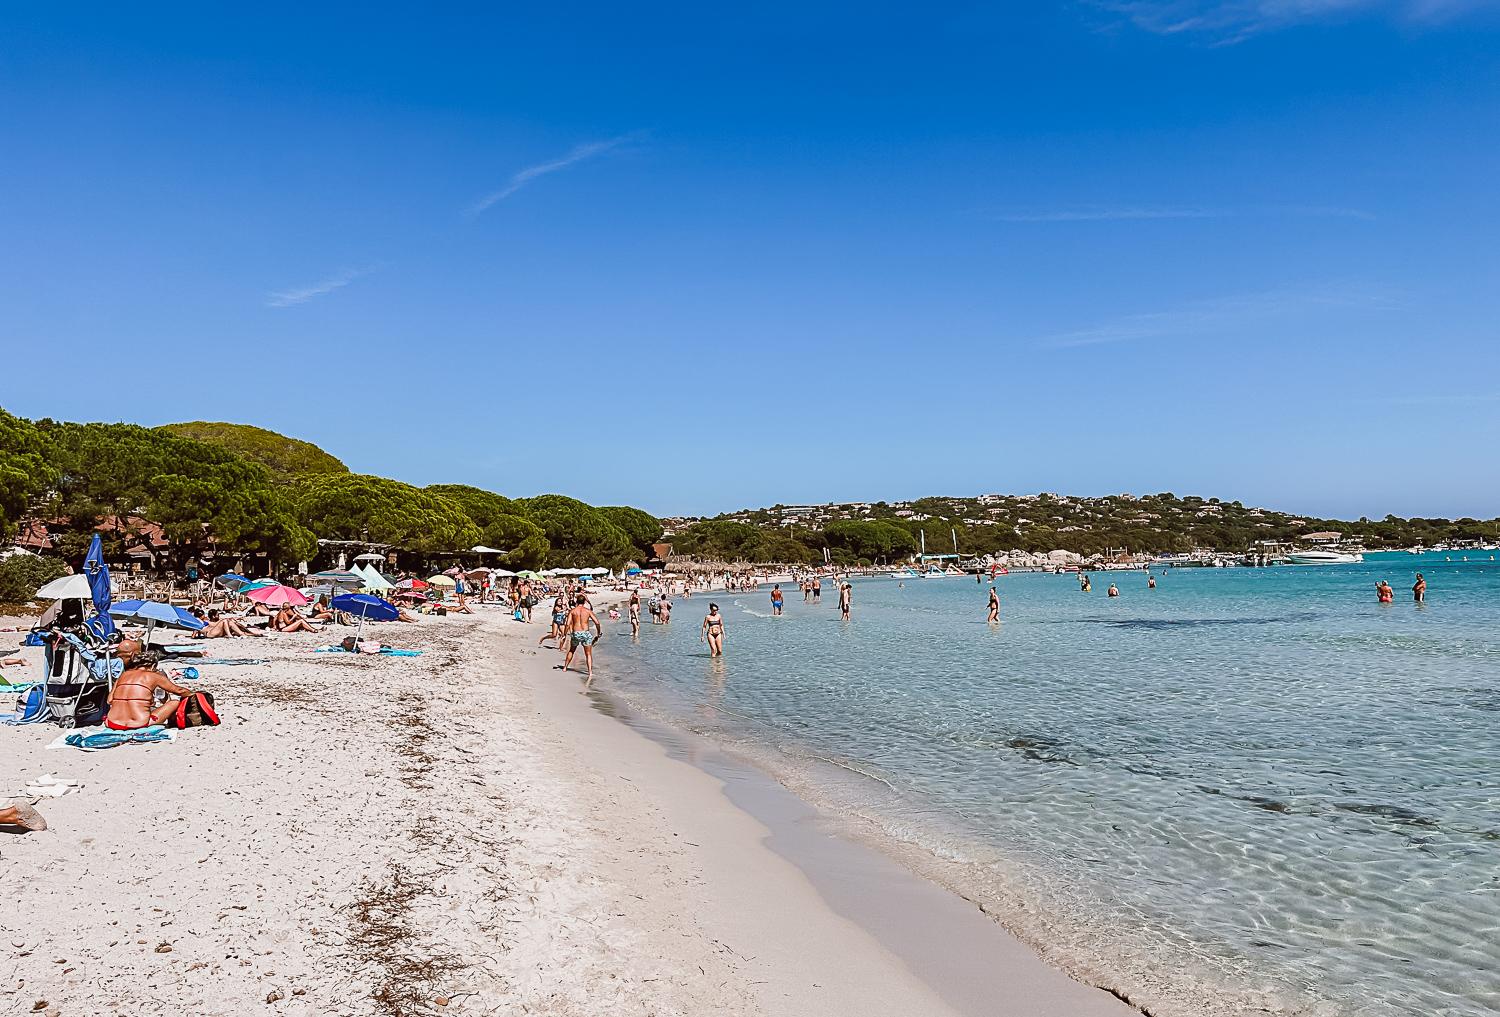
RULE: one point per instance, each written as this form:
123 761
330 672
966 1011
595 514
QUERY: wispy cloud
1207 316
519 179
1231 21
302 294
1126 213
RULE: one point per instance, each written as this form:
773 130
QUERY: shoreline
972 963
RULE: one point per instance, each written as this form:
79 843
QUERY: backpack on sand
195 710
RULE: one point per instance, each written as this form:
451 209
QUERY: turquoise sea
1248 790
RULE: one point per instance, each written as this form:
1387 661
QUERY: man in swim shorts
583 631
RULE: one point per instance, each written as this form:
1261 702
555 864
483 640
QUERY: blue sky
696 260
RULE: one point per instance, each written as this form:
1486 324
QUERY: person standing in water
817 589
1383 592
846 599
776 599
635 614
713 631
1114 591
1150 582
994 605
1419 590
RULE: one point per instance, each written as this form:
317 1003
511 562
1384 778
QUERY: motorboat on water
1321 556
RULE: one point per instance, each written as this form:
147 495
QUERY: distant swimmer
1085 586
1419 590
776 599
1384 593
846 600
1150 582
1114 591
994 605
713 631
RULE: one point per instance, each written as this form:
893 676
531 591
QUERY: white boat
1319 556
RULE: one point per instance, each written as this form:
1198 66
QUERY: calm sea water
1245 790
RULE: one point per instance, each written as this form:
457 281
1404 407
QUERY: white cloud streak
521 178
302 294
1226 22
1209 316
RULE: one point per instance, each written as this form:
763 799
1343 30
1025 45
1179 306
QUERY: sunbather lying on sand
22 815
218 627
288 620
130 701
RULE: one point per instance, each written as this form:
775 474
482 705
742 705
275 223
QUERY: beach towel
98 739
231 661
31 708
384 652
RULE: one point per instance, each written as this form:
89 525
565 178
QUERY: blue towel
110 739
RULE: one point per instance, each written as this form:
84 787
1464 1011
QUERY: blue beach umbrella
365 606
233 582
93 567
154 613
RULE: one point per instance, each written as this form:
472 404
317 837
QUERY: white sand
453 833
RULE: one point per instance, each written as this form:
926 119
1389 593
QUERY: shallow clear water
1255 787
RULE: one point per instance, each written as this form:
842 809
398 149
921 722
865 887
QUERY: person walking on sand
776 599
713 631
994 605
583 631
1419 590
846 599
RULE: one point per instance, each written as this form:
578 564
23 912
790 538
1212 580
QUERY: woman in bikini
218 627
288 620
130 701
713 631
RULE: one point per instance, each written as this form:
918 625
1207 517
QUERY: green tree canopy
581 536
640 526
501 524
355 506
283 456
25 469
196 492
869 539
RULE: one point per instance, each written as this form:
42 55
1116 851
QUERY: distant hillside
994 523
283 456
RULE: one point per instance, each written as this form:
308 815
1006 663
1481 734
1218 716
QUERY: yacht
1322 556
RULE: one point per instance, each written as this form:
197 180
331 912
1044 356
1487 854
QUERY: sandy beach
463 832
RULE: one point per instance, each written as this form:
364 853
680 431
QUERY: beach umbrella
363 606
528 574
408 595
502 574
276 595
233 582
370 556
339 577
93 567
411 584
375 581
441 580
73 587
154 613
